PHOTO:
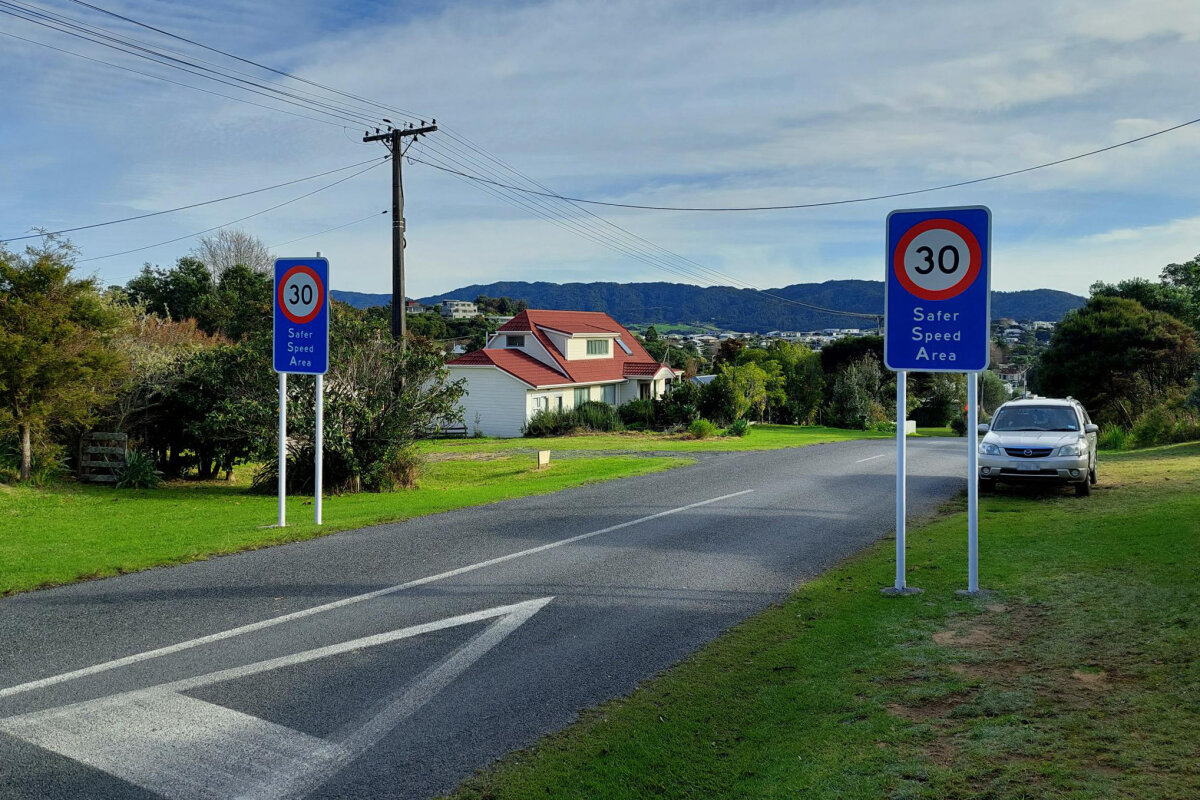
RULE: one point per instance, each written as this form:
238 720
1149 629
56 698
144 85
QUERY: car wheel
986 486
1092 476
1083 489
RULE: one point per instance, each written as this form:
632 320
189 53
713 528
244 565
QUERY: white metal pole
282 449
901 477
973 482
320 447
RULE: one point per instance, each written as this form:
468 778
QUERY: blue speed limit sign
302 316
937 306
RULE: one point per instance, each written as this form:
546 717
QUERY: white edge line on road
872 458
41 683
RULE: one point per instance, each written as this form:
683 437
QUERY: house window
610 394
541 403
559 398
582 395
597 347
514 341
644 390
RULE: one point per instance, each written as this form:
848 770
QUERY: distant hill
725 307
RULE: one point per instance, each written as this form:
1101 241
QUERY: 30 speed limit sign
937 304
302 316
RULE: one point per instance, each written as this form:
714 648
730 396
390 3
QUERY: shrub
139 472
884 427
638 412
959 425
1113 437
1165 423
739 428
701 429
594 416
550 422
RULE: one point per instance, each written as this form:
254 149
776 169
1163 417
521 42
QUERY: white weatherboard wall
500 400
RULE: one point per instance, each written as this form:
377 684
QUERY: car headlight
1078 449
989 449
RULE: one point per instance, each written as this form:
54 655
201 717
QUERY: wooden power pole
393 140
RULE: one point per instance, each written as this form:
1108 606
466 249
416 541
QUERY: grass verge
72 532
1078 678
761 437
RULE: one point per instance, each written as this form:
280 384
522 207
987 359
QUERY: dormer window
514 341
597 347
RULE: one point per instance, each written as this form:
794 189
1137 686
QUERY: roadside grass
74 532
761 437
946 431
1079 677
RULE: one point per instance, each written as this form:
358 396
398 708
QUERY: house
542 360
458 309
414 307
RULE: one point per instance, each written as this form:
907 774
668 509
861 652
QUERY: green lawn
1078 678
936 432
63 534
761 437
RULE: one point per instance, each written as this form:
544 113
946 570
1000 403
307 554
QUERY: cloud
666 103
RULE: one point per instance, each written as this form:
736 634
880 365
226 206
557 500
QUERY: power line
822 204
236 221
328 230
191 205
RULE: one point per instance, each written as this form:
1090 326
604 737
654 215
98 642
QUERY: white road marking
189 749
871 458
42 683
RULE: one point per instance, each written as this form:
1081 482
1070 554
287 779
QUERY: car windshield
1035 418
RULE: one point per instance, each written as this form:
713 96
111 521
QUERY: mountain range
725 307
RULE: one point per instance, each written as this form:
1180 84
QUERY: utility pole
393 141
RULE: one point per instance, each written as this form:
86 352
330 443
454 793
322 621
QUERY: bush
589 416
48 464
1165 423
139 472
1113 437
739 428
702 429
959 425
884 427
594 416
397 468
638 412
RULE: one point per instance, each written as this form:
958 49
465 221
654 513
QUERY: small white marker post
282 450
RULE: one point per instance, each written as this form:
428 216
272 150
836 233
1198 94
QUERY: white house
553 359
458 309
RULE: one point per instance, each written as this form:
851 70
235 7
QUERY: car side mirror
1091 428
984 427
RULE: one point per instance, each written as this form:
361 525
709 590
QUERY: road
396 660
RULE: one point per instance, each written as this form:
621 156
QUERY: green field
1078 678
66 533
761 437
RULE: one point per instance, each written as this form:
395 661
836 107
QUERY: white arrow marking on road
42 683
188 749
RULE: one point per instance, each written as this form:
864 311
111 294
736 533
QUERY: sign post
937 318
301 347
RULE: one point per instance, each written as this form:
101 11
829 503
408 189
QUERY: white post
282 449
320 447
973 482
901 474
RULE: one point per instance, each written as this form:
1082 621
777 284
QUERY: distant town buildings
458 309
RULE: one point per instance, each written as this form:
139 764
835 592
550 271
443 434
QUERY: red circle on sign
316 279
930 224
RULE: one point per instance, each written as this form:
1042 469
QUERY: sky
652 103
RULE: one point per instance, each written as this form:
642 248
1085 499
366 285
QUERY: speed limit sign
937 289
302 316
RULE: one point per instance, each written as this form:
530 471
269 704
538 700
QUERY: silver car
1039 440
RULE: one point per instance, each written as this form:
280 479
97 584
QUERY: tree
179 292
749 386
228 248
1170 298
992 391
1117 358
856 401
379 401
57 362
942 397
239 304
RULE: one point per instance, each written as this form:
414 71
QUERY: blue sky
671 103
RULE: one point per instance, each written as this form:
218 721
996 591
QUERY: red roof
520 365
636 363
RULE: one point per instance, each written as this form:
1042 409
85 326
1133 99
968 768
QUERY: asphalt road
396 660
